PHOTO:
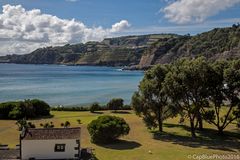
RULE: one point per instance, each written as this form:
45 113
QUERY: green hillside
139 51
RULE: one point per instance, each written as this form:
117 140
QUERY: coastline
123 68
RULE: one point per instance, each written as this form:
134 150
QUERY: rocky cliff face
122 51
219 43
139 52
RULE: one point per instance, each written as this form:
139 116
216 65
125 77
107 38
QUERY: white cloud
195 11
22 31
122 25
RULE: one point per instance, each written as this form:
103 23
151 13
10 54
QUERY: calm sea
66 85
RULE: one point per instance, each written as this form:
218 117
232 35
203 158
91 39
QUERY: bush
41 107
115 104
75 109
24 109
106 129
94 107
16 113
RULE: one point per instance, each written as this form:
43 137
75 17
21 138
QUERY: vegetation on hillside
219 43
110 52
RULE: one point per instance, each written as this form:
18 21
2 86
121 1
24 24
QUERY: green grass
174 144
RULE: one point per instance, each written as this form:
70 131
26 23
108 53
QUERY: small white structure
50 143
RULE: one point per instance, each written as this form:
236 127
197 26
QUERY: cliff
139 52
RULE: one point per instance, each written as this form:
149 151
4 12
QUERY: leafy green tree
16 113
94 107
186 85
24 109
41 107
151 101
106 129
224 88
28 109
115 104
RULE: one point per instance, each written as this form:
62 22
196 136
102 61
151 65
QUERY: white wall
44 149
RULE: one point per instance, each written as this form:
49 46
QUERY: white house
50 143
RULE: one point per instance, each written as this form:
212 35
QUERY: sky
26 25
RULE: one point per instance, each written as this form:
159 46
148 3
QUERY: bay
66 85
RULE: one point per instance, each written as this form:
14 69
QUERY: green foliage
195 87
41 107
106 129
16 113
82 108
151 101
94 107
86 108
115 104
24 109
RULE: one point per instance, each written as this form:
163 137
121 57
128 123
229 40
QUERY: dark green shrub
106 129
94 107
24 109
5 108
41 107
115 104
15 113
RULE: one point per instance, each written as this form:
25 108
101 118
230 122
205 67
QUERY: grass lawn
174 144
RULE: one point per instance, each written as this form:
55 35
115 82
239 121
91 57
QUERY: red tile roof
52 133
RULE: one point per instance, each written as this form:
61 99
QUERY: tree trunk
192 128
200 122
160 123
220 131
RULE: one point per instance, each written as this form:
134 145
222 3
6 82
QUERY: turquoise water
66 85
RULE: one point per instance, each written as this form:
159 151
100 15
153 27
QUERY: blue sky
142 14
94 19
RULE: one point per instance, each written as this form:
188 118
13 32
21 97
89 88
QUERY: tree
94 107
16 113
151 100
223 88
115 104
41 107
28 109
186 85
24 109
66 124
106 129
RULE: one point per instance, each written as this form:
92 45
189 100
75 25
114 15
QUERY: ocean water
66 85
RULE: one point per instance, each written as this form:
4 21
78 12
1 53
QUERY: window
59 148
